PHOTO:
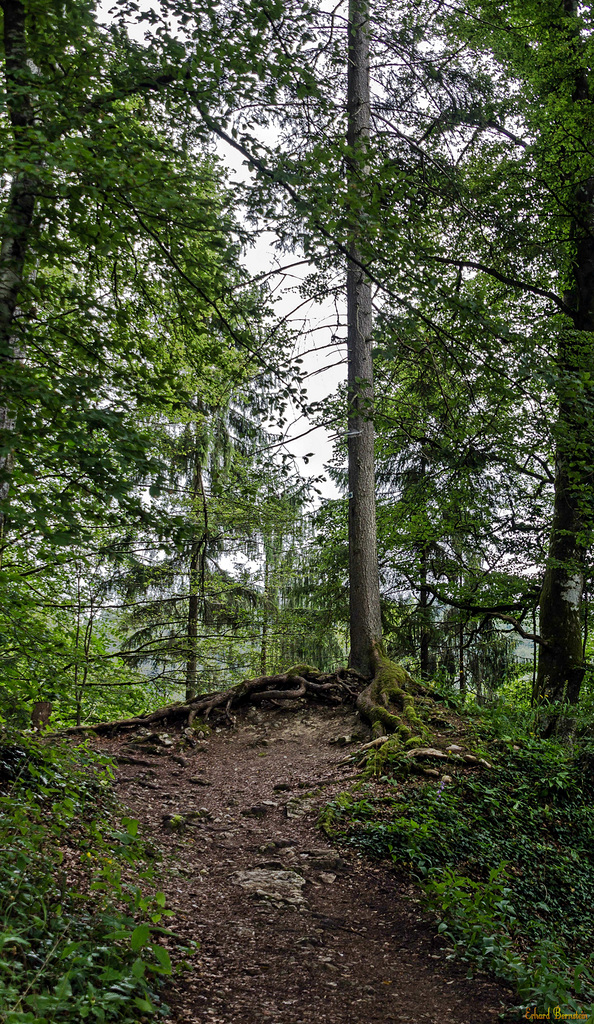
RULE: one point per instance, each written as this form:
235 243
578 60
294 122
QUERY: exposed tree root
388 703
299 682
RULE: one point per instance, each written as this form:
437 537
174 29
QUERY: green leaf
63 989
139 968
143 1004
163 957
140 937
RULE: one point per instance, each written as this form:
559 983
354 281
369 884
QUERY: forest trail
291 930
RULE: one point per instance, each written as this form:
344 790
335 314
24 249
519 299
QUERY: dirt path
291 931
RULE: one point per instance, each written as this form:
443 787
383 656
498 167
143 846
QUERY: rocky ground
291 930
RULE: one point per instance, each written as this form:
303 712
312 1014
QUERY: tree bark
192 625
196 582
561 659
424 609
364 602
265 616
561 663
461 669
17 221
424 595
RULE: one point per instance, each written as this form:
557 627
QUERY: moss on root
388 704
381 760
307 671
199 725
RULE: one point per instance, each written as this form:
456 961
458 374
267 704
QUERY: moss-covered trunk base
388 703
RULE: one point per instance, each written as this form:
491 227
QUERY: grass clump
78 938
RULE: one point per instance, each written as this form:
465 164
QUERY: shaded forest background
158 538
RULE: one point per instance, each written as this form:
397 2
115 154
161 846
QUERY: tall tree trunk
364 602
424 609
424 596
77 689
461 669
192 625
17 220
196 583
479 682
561 659
265 616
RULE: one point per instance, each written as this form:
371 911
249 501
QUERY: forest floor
291 930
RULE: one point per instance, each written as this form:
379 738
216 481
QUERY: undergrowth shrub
505 856
78 936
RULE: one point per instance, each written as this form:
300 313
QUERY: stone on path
277 886
298 806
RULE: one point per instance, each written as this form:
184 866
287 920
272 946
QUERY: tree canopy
133 332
